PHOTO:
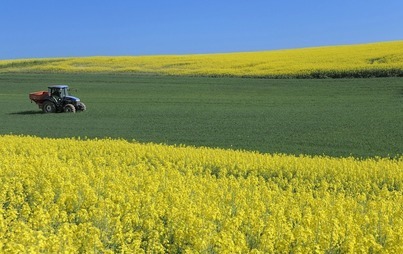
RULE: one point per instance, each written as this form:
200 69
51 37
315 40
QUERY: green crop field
337 117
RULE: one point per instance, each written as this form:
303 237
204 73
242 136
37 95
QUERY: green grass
360 117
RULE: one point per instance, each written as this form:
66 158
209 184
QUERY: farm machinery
57 99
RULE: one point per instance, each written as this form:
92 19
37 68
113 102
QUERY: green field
337 117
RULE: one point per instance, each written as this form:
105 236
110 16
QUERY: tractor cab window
58 92
63 93
54 92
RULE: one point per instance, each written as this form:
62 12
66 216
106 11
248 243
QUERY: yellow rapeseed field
108 196
365 60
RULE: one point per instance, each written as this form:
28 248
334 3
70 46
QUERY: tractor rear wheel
69 108
49 107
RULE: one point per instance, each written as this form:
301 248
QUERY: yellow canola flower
108 196
363 60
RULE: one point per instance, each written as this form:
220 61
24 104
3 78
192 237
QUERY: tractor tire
81 106
49 107
69 108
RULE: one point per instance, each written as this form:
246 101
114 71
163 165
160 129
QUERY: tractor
57 99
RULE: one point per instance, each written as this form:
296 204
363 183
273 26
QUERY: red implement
39 97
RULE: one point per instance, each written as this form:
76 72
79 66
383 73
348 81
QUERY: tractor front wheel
81 106
49 107
69 108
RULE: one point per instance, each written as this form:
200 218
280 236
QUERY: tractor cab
60 91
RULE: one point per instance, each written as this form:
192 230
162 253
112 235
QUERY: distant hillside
383 59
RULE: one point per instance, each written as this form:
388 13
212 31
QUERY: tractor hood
72 98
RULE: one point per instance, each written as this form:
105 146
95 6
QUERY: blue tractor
57 99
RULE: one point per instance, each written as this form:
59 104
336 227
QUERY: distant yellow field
114 196
365 60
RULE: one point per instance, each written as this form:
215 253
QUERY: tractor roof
59 86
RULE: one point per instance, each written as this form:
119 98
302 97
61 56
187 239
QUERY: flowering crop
366 60
71 195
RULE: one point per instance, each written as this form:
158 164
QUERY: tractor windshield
64 92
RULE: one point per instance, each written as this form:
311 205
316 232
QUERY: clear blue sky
53 28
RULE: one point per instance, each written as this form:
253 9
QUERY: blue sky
51 28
